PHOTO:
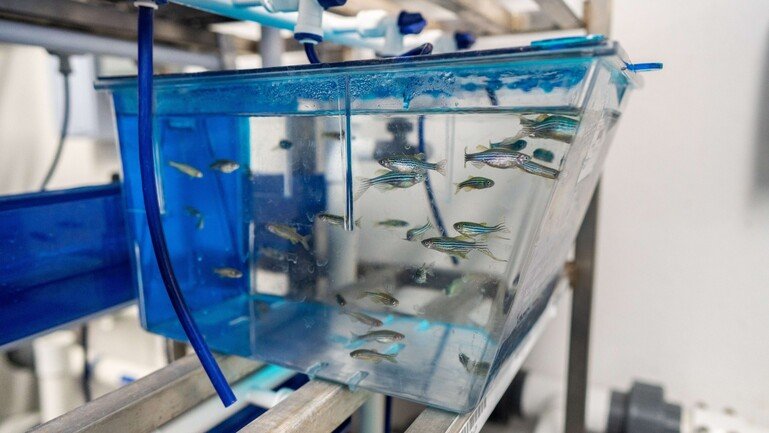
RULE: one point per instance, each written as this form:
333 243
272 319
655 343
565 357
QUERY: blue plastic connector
411 23
464 40
325 4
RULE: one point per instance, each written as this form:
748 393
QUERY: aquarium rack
316 407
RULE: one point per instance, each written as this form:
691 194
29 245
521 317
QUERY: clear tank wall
249 162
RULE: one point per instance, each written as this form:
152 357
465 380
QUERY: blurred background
681 294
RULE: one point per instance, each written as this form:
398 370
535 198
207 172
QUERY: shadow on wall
761 168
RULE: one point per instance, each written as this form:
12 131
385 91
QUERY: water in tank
392 224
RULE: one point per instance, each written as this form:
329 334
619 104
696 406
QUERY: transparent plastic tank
248 160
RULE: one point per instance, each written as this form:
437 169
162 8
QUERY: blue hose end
464 40
411 23
643 67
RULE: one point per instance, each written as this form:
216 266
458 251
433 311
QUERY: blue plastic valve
464 40
411 23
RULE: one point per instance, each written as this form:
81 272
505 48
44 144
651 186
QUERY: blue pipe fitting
325 4
411 23
464 40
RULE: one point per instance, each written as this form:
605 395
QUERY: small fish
388 181
393 223
543 155
497 158
412 164
340 300
475 182
364 319
335 220
455 286
334 135
423 272
372 356
228 273
475 367
224 165
471 229
509 143
457 247
289 233
381 336
279 255
283 144
532 167
186 169
380 297
197 215
559 128
416 233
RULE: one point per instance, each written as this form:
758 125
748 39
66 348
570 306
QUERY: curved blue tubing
428 186
150 193
312 55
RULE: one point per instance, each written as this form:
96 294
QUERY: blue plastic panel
63 256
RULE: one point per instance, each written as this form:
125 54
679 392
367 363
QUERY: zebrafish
186 169
224 165
289 233
423 272
372 356
393 223
197 215
457 247
389 180
364 319
416 233
497 158
381 336
532 167
228 273
475 182
335 220
412 164
543 155
279 255
283 144
559 128
478 368
380 298
481 230
509 143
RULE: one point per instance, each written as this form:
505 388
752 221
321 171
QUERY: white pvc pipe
58 386
72 42
372 414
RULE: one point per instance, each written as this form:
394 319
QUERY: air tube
150 193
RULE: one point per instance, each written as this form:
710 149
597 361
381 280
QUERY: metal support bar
317 407
560 13
581 306
73 42
151 401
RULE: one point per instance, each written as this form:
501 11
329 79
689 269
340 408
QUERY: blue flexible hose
150 193
312 55
428 186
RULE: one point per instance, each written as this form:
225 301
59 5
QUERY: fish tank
394 224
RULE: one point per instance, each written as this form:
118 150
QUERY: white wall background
682 289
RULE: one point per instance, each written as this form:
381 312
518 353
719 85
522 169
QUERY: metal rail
150 402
